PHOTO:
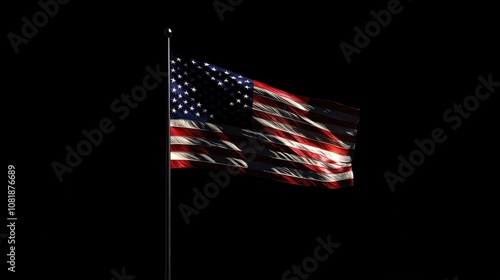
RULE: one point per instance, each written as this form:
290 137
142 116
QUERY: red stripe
182 131
276 177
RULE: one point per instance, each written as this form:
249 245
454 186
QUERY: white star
180 106
192 61
233 77
179 86
173 61
212 116
173 80
219 84
244 106
225 81
198 105
172 70
238 100
197 114
214 69
174 100
178 59
245 96
185 101
247 87
173 110
185 112
191 108
239 83
212 78
227 73
204 110
186 93
247 81
174 90
186 83
179 76
206 64
231 103
239 76
180 96
193 89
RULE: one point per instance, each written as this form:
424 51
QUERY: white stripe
263 167
299 159
307 107
309 175
305 120
214 159
303 133
204 126
341 159
195 141
267 93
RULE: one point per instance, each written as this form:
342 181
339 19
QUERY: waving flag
223 120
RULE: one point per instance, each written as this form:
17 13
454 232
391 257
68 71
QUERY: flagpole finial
168 32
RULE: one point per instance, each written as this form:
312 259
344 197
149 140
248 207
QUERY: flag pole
168 191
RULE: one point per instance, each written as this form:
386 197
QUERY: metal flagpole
168 193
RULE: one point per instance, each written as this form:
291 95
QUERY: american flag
224 121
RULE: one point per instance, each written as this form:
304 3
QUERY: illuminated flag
222 120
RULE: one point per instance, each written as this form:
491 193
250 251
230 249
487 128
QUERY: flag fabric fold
221 120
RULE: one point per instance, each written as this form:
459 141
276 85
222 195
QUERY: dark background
109 212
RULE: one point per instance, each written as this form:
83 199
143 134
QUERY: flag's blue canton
205 92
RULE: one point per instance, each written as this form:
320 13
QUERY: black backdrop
108 214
